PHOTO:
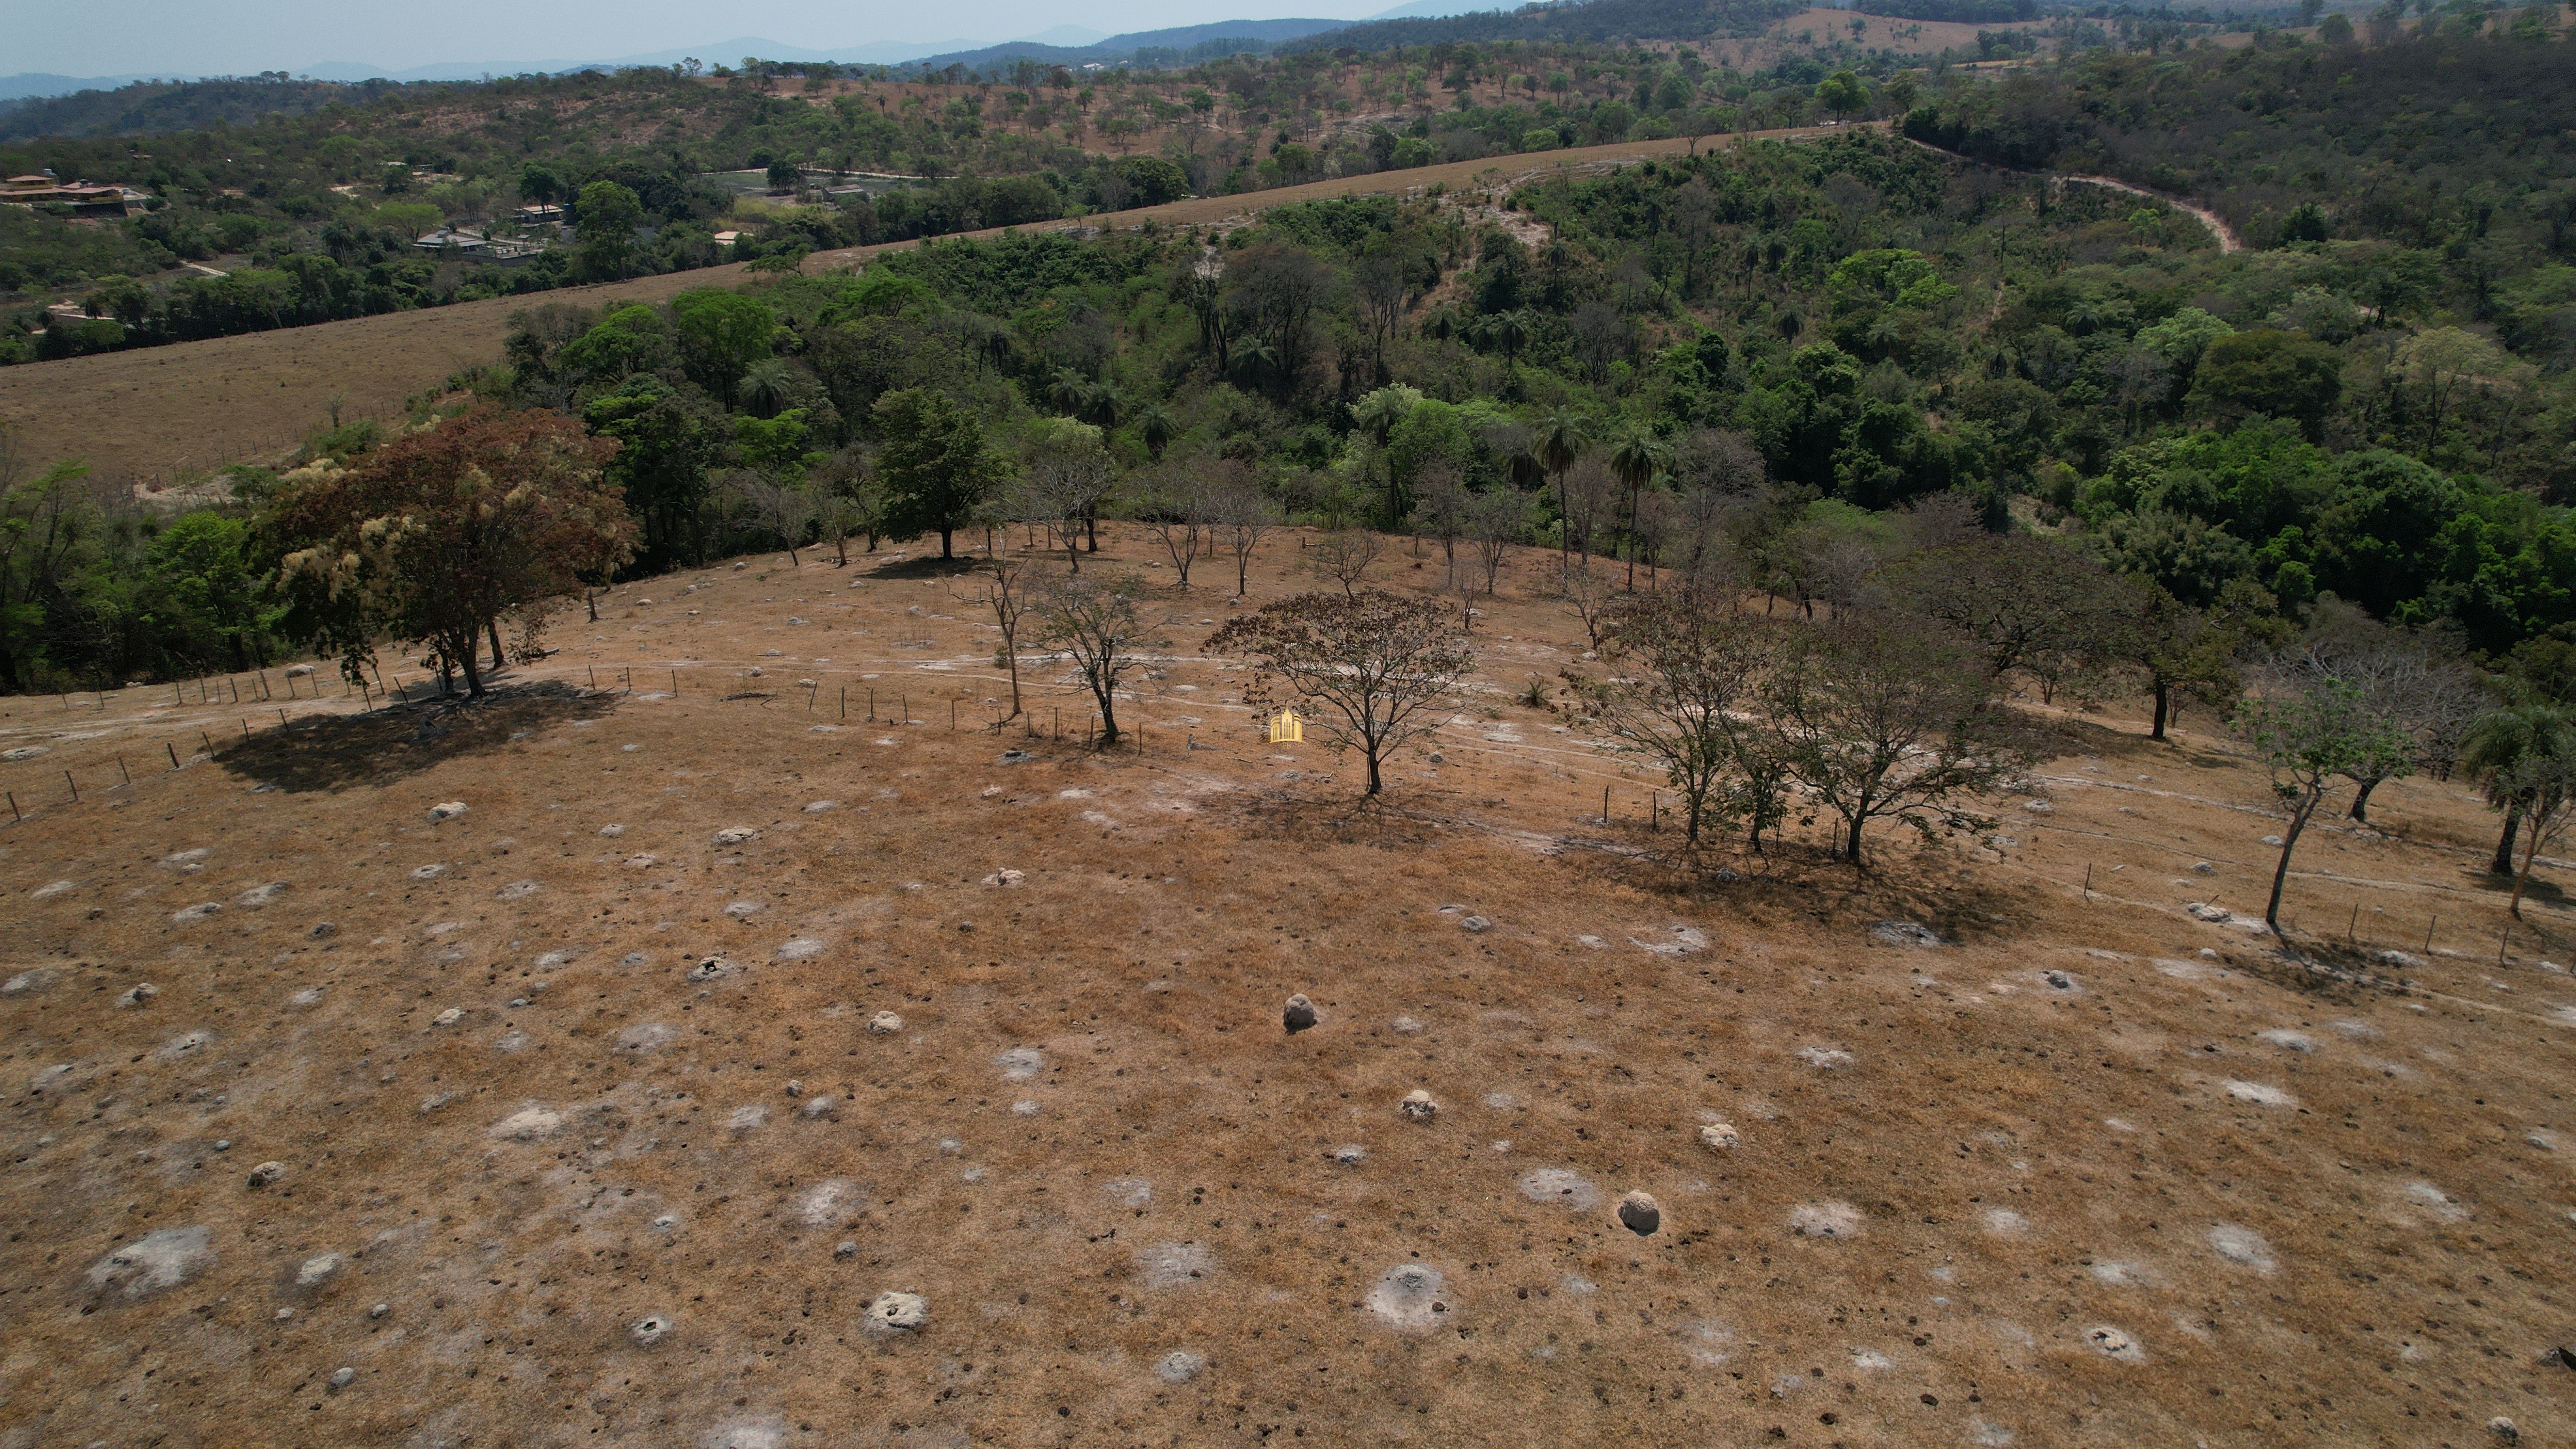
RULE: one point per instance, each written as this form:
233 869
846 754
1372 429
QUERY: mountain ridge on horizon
1059 42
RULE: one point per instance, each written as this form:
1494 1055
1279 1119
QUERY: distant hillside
152 107
1180 39
1598 22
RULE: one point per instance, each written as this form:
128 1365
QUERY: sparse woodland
1796 416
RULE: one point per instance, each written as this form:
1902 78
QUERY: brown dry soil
498 1093
156 417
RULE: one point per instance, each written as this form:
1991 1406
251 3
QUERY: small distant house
449 239
726 239
539 216
475 246
85 199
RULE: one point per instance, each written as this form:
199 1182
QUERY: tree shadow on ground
1354 819
1937 886
933 567
332 751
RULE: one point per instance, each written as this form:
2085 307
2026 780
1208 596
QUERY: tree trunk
2361 802
2289 842
494 625
943 543
2503 862
2522 882
590 597
1091 529
1373 783
2164 707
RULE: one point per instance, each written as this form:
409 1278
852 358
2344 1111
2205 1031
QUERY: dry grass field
2067 1166
158 417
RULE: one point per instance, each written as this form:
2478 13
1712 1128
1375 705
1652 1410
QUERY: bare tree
1497 520
1722 462
1241 513
849 499
1004 586
1175 507
1440 503
1591 494
1095 622
1066 471
784 506
1590 590
1374 664
1695 664
1345 557
1882 716
2014 596
2413 681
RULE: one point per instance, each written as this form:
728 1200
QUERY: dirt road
152 417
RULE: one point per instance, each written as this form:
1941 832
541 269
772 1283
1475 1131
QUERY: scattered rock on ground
161 1259
1640 1214
1300 1014
528 1124
1179 1366
447 810
1418 1106
1561 1186
898 1312
1408 1296
651 1329
1825 1220
266 1173
1903 933
1719 1136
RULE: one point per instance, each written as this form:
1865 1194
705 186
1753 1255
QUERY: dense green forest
1770 355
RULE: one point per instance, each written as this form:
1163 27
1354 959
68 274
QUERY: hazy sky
126 37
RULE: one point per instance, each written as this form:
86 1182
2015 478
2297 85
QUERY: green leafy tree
605 217
2308 740
1842 93
46 523
2498 754
666 439
2270 372
721 335
938 469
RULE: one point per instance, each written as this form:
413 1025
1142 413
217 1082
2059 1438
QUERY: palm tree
1156 427
1561 438
1636 457
765 388
1069 390
2503 746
